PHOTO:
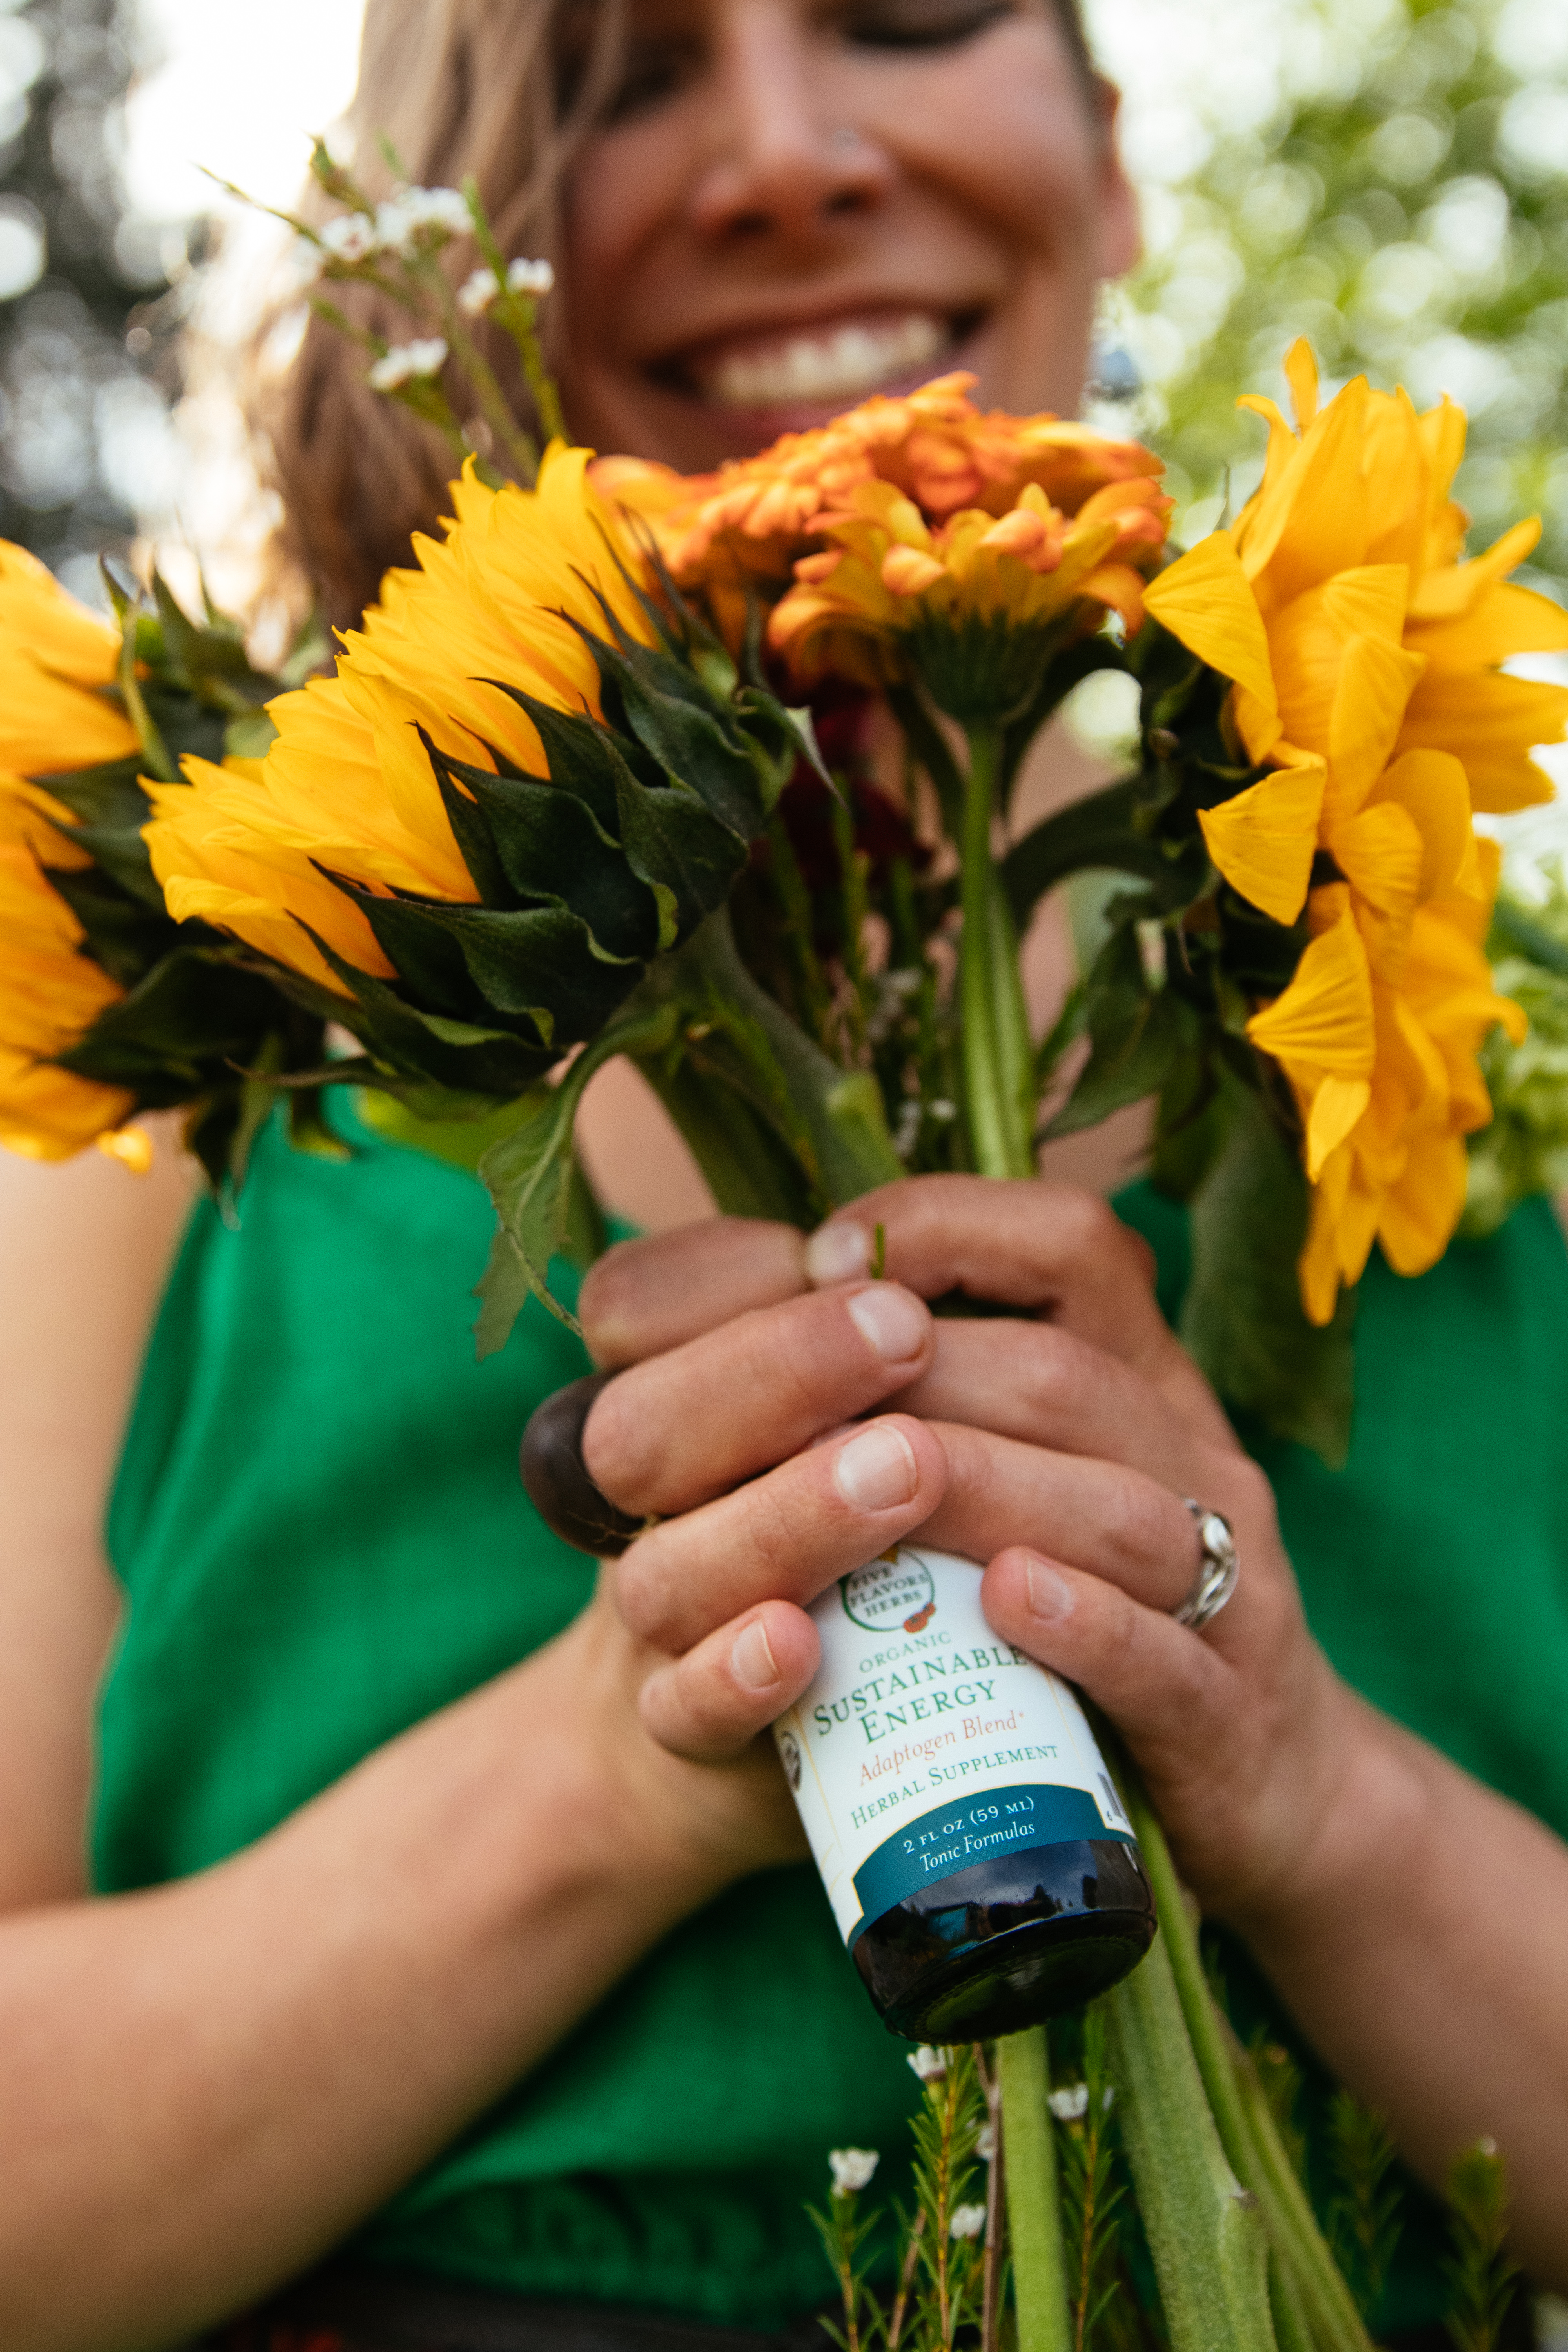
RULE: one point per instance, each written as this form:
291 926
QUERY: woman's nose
781 160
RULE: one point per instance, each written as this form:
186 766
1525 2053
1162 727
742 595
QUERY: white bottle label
927 1744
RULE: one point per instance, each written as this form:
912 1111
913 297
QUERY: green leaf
1243 1318
1138 1037
689 741
1097 833
529 1176
551 846
181 1028
467 1057
679 850
123 935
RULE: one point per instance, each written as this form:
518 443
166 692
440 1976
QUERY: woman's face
795 202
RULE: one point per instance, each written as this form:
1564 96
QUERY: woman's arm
208 2084
84 1253
1413 1921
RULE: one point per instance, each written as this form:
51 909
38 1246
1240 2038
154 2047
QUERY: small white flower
405 361
852 2169
479 292
1069 2104
349 237
929 2064
413 217
535 277
1106 2097
967 2221
985 2144
944 1110
907 1127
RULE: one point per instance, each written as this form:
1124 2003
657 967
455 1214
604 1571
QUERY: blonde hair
451 86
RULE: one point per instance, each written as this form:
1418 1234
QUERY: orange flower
753 518
974 595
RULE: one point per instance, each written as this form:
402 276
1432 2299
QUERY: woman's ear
1122 240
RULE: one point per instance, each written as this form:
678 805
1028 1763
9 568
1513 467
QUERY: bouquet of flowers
715 773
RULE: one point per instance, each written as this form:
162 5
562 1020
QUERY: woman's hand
746 1445
1411 1919
1069 1433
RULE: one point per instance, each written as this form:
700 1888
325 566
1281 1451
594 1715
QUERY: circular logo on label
891 1596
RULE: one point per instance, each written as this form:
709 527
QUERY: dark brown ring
555 1477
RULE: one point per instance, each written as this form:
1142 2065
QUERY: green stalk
1311 2286
1033 2210
998 1061
830 1119
1206 2232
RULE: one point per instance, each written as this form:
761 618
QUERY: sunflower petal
1206 601
1264 840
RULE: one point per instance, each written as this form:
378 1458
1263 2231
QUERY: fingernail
894 1323
752 1659
1050 1595
837 1253
876 1469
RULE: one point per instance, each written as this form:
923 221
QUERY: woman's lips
835 363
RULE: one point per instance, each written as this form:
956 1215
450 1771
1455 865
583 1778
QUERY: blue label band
966 1831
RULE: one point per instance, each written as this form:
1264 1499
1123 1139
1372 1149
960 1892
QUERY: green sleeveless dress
321 1537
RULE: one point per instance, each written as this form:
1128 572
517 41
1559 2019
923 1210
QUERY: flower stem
998 1061
1309 2290
1034 2213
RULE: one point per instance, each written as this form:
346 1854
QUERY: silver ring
1217 1572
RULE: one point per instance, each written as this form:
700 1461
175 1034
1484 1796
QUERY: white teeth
835 364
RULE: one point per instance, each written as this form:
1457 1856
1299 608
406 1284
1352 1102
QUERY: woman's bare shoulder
85 1250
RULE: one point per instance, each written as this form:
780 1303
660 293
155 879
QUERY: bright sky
241 89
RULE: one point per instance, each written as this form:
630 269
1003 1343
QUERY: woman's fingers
644 1296
1051 1250
1236 1729
1109 1521
782 1536
1046 1386
671 1433
710 1704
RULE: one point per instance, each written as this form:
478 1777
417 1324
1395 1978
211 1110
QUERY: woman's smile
789 208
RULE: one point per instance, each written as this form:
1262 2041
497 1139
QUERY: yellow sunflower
57 663
50 993
347 785
1366 659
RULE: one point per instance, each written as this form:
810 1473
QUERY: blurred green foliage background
1388 177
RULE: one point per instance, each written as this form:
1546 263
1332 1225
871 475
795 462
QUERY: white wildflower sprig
421 220
929 2063
482 288
426 357
968 2221
852 2169
1070 2104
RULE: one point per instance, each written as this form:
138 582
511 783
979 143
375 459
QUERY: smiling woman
758 210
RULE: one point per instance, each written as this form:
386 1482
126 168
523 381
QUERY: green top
319 1529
